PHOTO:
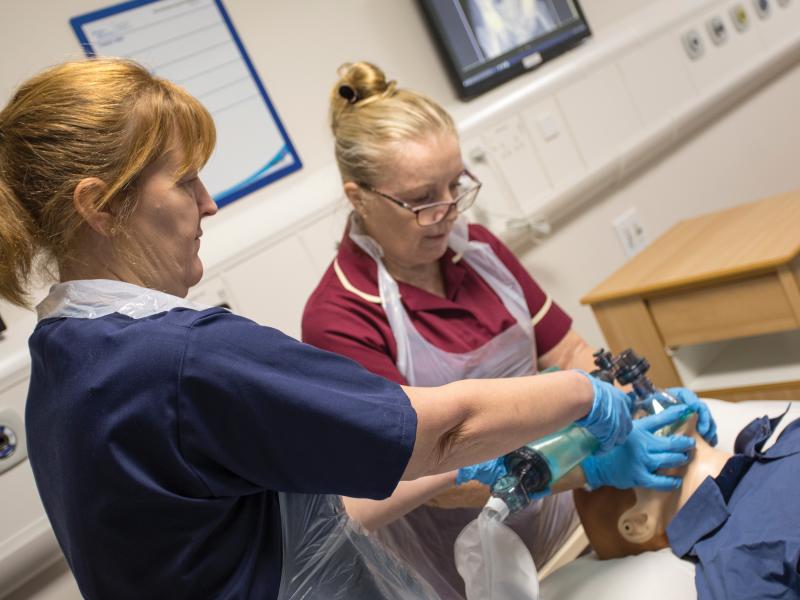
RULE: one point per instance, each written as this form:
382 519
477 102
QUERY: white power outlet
630 232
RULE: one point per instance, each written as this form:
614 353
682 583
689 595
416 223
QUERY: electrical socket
630 232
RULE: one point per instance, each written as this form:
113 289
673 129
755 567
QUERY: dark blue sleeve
260 410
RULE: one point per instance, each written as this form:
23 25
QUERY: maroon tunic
344 313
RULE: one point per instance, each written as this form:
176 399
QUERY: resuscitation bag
494 562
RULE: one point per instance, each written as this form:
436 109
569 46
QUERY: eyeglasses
463 191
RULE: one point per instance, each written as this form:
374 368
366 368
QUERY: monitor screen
487 42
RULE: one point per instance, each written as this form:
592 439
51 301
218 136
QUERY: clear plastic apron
510 354
326 556
426 536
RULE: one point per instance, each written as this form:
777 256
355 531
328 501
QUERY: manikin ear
85 198
355 194
638 524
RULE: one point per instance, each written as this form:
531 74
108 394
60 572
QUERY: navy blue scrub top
742 528
158 445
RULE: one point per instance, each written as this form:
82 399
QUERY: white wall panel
24 528
600 113
272 286
512 154
321 239
21 506
53 583
553 141
657 77
212 292
495 201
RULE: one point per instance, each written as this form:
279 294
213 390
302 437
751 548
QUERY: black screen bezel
465 92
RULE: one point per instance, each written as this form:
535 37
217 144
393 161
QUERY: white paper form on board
193 43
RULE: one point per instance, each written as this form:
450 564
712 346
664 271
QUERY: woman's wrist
586 392
450 477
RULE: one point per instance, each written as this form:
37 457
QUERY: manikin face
625 522
166 225
421 172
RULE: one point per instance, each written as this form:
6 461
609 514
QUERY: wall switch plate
548 126
630 232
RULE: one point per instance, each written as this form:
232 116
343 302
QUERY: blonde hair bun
365 79
370 115
359 83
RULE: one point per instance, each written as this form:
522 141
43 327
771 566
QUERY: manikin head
624 522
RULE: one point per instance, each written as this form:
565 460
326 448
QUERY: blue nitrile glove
486 472
706 426
634 463
540 494
610 419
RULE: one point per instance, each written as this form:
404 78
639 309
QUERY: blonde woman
417 295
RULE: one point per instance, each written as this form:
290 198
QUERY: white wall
295 47
747 153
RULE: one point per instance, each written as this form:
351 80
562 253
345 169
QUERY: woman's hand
634 463
609 420
486 472
706 426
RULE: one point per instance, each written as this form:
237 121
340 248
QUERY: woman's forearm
470 421
572 479
408 495
572 352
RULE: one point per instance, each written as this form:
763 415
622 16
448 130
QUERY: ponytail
17 247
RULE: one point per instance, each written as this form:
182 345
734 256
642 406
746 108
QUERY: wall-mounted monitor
488 42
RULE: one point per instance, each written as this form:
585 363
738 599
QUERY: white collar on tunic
94 298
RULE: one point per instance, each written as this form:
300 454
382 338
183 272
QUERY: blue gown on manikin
742 528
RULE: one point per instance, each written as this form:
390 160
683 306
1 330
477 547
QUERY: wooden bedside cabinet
714 303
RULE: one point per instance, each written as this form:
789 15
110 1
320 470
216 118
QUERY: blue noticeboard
193 43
